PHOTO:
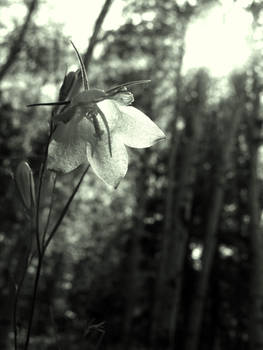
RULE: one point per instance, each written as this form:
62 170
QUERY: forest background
174 257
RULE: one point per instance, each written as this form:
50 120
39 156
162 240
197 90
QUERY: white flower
96 126
77 141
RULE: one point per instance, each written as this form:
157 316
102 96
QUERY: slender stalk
42 253
31 315
65 209
17 44
39 250
41 177
18 288
50 210
96 31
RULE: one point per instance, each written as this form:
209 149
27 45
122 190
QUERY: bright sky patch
219 40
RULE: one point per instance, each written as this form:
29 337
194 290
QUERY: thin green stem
41 252
50 211
41 177
65 209
18 288
33 304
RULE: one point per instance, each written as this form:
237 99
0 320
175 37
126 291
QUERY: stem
39 265
41 176
26 260
17 294
42 253
65 209
50 210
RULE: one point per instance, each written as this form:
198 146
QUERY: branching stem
42 254
33 304
65 209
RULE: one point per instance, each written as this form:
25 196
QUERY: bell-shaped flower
77 141
96 126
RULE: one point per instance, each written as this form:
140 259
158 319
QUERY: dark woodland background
174 258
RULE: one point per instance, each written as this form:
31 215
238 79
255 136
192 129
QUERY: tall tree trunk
169 283
256 288
157 331
97 27
133 278
179 238
210 241
256 235
17 44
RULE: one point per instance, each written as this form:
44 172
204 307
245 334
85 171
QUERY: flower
96 126
102 143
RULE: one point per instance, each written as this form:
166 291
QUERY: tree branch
97 27
17 44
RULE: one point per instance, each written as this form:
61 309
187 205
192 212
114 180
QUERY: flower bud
25 184
71 86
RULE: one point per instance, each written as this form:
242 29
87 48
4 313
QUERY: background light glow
219 40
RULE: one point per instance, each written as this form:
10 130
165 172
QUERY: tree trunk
133 273
157 331
256 236
210 241
169 283
96 31
256 294
16 46
179 238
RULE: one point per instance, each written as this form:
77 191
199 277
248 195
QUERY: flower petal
136 129
67 150
109 169
111 112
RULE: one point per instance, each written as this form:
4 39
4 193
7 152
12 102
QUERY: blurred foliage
102 265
